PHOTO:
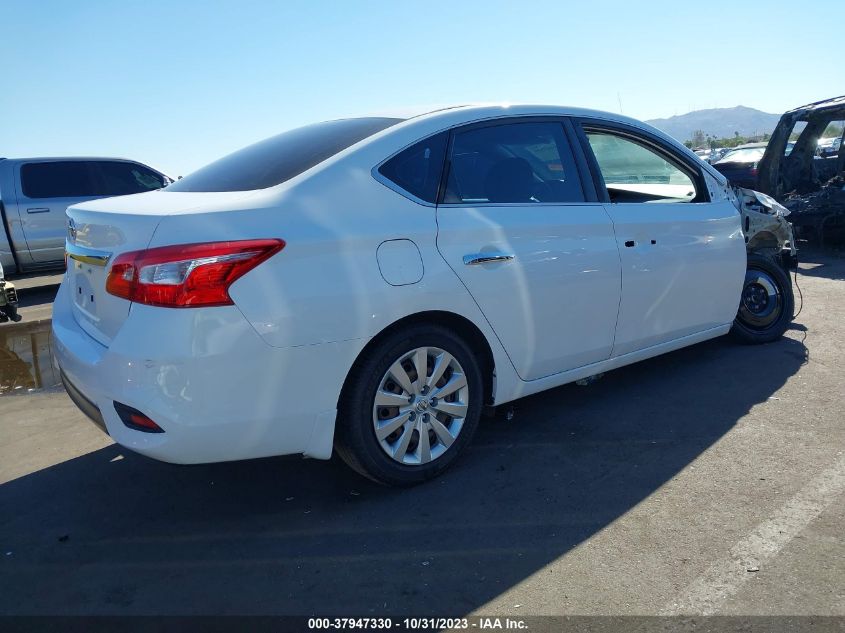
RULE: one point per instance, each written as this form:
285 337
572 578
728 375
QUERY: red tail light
187 275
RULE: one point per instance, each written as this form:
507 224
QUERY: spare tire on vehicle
767 303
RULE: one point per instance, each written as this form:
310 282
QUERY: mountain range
718 122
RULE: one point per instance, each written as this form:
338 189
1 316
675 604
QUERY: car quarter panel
326 286
191 377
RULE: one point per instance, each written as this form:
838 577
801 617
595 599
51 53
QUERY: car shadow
115 533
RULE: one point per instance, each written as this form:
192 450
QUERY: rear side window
512 163
57 179
417 169
280 158
121 178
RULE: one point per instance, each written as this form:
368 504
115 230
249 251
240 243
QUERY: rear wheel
411 406
767 303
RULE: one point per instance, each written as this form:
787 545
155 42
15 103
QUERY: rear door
47 189
518 226
683 256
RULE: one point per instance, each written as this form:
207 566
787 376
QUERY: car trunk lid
94 238
99 231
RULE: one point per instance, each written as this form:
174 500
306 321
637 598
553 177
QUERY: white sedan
371 284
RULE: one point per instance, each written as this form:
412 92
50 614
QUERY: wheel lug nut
433 402
412 416
425 417
424 390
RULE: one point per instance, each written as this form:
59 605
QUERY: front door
683 257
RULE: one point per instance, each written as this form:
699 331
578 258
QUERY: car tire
410 435
767 302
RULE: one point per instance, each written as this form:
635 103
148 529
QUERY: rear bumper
204 376
84 404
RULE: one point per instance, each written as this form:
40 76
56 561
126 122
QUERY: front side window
280 158
121 178
634 172
57 179
417 169
512 163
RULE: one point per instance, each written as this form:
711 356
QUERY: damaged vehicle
767 304
370 285
811 184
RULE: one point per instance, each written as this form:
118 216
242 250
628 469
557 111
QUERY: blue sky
178 84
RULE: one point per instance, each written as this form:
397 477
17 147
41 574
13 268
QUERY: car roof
447 117
485 110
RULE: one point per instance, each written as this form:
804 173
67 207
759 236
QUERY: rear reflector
187 275
135 420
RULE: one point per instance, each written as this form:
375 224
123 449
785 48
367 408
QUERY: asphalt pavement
708 480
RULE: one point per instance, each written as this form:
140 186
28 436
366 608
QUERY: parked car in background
828 146
704 154
740 165
35 192
370 285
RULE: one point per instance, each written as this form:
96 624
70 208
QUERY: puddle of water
26 358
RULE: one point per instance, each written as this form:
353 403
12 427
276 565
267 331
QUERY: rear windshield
280 158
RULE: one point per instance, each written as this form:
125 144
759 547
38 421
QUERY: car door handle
630 244
38 210
485 258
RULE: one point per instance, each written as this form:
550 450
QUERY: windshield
747 155
280 158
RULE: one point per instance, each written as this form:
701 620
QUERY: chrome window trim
379 177
465 205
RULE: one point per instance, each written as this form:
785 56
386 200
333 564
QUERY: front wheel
767 303
411 406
